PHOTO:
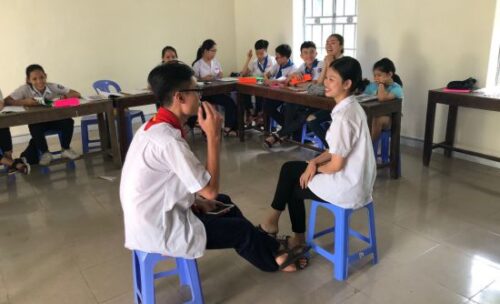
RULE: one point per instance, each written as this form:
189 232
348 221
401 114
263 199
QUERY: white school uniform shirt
255 66
203 69
158 184
284 72
316 71
349 137
51 92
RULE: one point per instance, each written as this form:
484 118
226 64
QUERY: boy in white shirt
258 67
161 178
278 76
295 115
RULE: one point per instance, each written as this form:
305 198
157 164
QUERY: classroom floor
438 228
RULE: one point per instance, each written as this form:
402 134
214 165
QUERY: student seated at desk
167 194
258 67
207 68
168 53
13 165
334 50
295 115
345 174
37 91
278 76
387 85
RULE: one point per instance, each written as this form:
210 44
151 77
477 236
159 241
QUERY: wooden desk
453 100
107 133
123 103
372 109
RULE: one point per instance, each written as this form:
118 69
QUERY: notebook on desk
365 97
12 109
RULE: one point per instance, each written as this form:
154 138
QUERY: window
325 17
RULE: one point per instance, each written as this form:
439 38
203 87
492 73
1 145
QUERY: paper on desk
107 94
92 97
13 109
228 79
137 91
365 97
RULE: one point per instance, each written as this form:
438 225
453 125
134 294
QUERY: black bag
467 84
31 153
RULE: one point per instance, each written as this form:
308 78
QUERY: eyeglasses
196 90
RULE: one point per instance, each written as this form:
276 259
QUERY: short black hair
33 67
166 49
284 50
349 69
168 78
261 44
307 45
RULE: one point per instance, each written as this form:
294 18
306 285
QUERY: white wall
261 19
432 43
78 42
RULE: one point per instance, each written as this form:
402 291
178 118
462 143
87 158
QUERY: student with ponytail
344 175
386 86
207 68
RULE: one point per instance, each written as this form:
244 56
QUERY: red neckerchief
166 116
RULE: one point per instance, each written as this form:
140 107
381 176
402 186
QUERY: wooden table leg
113 139
429 131
395 154
103 133
450 128
122 131
241 116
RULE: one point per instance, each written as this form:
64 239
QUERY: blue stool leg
136 271
188 273
147 282
84 128
385 138
341 243
373 235
312 224
304 133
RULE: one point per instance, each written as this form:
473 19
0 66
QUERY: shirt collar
343 104
35 92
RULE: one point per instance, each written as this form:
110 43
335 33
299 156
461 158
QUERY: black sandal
230 133
294 256
24 168
268 144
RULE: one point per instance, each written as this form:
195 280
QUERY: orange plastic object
305 78
247 80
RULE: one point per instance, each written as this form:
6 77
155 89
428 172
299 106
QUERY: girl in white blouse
207 68
344 175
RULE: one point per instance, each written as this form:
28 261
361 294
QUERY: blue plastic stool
70 164
341 258
384 153
87 121
105 86
143 265
310 136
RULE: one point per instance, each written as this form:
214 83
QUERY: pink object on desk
68 102
456 90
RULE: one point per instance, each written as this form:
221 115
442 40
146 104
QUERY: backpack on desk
467 84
